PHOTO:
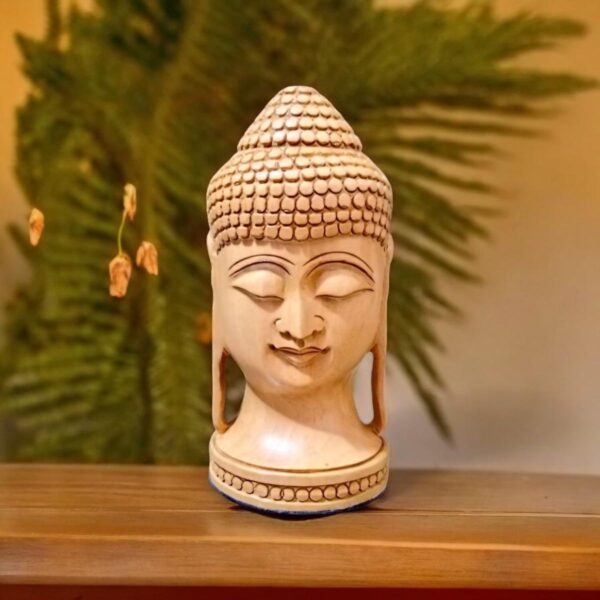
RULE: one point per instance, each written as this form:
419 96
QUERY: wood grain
132 525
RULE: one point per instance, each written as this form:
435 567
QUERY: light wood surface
133 525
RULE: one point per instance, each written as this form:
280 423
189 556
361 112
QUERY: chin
296 381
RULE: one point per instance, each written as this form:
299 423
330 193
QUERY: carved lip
298 357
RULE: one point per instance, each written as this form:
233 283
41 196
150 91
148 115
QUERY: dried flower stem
120 233
119 268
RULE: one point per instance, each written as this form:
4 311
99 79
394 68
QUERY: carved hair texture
299 173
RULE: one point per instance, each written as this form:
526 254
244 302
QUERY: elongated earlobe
378 383
379 352
219 357
219 387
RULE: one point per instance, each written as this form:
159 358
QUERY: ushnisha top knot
299 173
299 116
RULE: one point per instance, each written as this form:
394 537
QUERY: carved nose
299 324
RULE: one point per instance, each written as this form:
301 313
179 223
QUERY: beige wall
25 16
524 367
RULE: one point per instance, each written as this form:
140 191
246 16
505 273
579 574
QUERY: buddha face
297 316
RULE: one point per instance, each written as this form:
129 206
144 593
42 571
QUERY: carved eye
341 283
260 283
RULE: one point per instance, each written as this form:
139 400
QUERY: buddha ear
219 355
389 248
219 386
211 247
378 351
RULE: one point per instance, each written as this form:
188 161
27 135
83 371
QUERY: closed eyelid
343 264
263 283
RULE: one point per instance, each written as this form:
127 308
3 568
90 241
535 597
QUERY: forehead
362 247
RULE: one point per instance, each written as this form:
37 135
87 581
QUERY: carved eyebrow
341 252
343 262
262 256
258 262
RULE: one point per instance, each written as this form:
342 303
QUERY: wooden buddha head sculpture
300 249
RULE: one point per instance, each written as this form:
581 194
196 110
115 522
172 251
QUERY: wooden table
152 526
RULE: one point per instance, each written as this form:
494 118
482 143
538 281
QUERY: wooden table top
138 525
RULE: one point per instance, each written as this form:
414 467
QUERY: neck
330 408
318 431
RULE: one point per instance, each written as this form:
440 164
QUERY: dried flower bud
147 257
204 328
130 200
119 270
36 226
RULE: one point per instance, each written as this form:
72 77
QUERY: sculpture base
298 493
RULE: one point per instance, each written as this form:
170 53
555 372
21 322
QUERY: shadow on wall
491 431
